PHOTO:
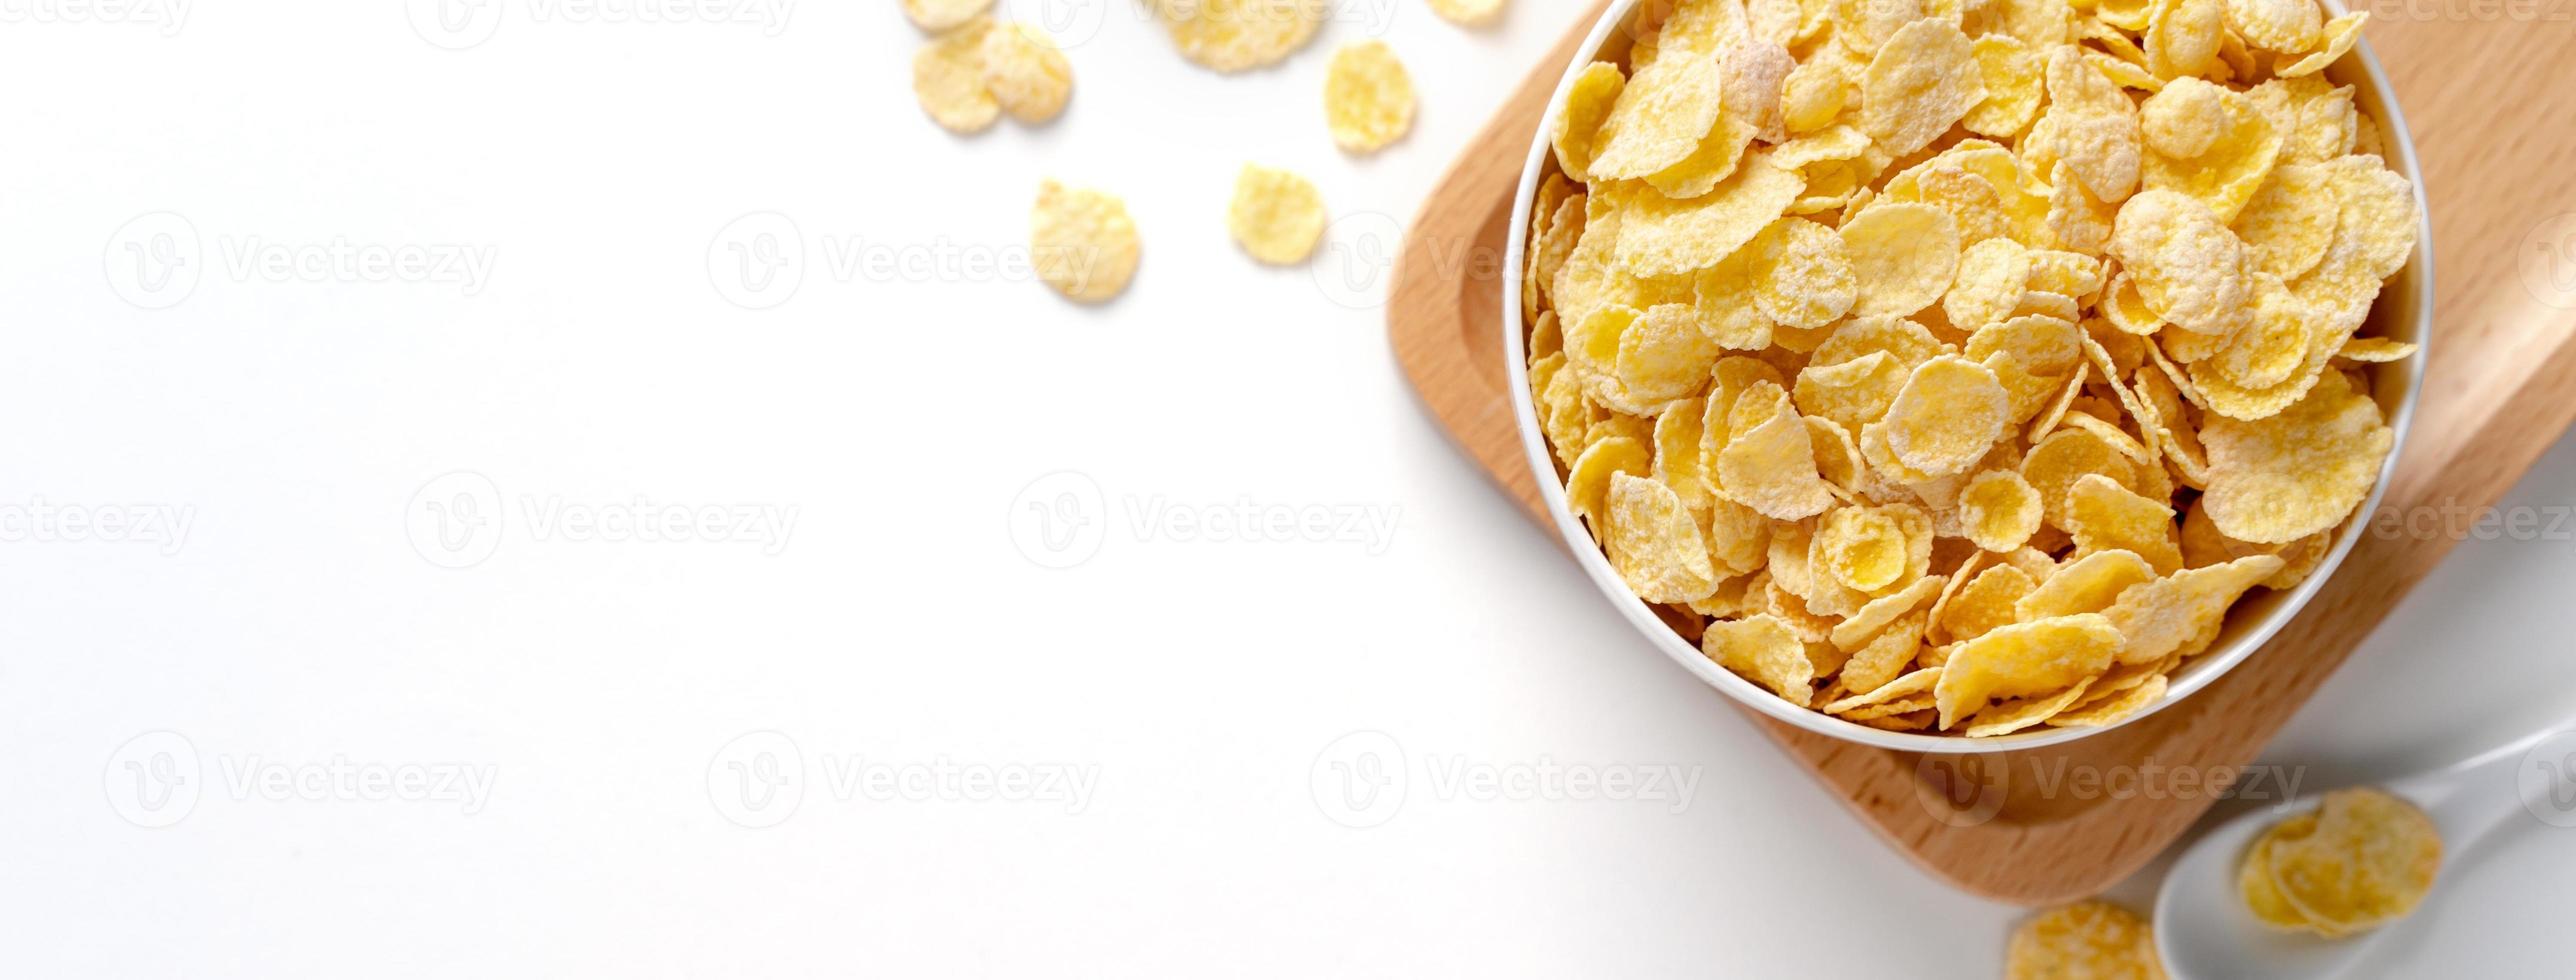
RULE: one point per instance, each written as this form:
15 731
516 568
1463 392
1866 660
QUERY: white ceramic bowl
2404 311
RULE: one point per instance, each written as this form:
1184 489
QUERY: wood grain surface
2490 104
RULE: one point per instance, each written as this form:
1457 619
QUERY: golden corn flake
2374 350
1277 216
2098 710
1082 242
2254 878
948 79
1990 600
2095 127
1659 236
1922 81
1903 257
1587 481
1587 103
1771 467
2208 143
2094 940
2299 472
1026 73
1812 96
2024 659
1949 414
2280 26
1658 119
2289 222
2181 611
1654 544
2336 39
1237 35
1468 13
2369 860
1763 650
1664 356
1368 97
1999 510
1862 549
2183 37
2012 80
1802 276
939 15
2088 584
2102 515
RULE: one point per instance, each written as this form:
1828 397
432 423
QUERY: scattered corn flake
2375 350
1468 13
2090 939
1368 97
1239 35
1587 482
2370 859
948 79
940 15
2086 585
1026 73
1277 216
1082 242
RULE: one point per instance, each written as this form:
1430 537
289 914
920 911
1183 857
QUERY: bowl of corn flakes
1952 376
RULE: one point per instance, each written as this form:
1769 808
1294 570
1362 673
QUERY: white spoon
2203 930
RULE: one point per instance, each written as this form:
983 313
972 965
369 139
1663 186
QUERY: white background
302 425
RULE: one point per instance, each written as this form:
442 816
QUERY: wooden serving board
2486 101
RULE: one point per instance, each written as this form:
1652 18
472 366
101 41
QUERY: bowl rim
2204 669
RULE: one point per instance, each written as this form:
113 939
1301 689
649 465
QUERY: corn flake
1368 97
1277 216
